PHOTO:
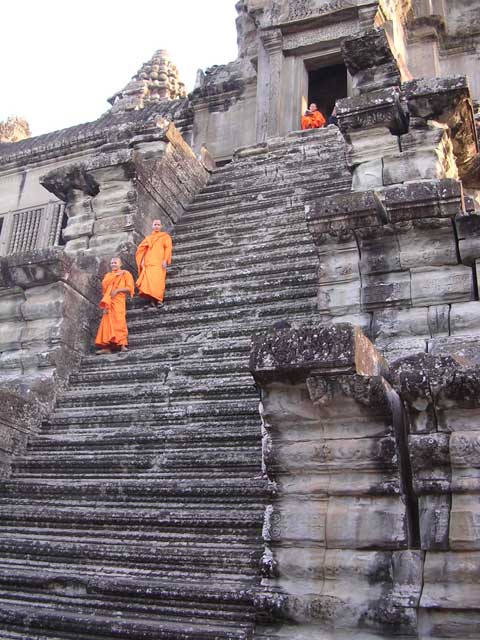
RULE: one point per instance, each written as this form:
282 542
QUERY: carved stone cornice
431 384
297 353
425 199
339 214
376 109
272 40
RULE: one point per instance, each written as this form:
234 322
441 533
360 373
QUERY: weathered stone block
379 250
465 513
431 199
339 265
370 145
432 286
20 418
396 323
414 165
344 212
10 304
298 520
339 298
370 61
10 335
362 523
468 232
451 582
368 175
386 290
285 353
465 318
439 320
434 518
426 242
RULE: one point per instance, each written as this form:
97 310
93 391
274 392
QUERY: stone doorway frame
295 83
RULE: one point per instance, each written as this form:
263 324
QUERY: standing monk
313 118
153 255
113 332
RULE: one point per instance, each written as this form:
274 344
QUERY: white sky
60 60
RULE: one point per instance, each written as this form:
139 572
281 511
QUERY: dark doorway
326 85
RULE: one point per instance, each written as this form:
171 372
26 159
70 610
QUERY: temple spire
158 79
14 129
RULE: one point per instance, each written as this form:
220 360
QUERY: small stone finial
14 129
156 80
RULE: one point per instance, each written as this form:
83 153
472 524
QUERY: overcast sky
60 60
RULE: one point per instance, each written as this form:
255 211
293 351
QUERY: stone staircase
137 511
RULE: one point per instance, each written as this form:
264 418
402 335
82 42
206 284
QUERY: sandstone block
386 290
431 286
362 523
368 175
413 165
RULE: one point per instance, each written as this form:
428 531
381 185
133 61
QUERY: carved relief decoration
302 9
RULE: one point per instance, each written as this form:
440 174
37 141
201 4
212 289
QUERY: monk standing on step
112 332
313 118
153 255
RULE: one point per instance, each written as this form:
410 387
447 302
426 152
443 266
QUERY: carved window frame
31 228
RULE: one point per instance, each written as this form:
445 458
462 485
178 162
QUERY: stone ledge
294 354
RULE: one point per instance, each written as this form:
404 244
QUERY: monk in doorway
153 255
313 118
112 333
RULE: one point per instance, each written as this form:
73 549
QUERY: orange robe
113 331
153 250
313 121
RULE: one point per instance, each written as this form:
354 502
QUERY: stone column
338 530
270 63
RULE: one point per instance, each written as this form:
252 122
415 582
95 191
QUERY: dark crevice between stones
400 428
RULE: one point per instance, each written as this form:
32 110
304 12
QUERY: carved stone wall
341 533
441 396
112 198
47 304
29 229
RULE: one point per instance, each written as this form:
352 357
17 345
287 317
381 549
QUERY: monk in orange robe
153 255
112 332
313 118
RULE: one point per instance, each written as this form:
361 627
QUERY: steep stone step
44 617
239 269
143 436
128 489
165 519
259 249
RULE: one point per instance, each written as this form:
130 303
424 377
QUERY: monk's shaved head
115 263
157 225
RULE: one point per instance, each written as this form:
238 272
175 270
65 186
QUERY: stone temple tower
156 80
